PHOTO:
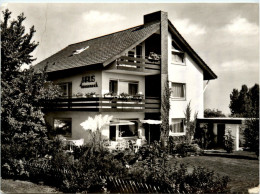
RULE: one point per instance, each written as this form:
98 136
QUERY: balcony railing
108 104
138 64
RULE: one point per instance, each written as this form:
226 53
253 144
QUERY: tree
165 128
251 134
190 125
209 113
254 96
23 93
245 103
16 45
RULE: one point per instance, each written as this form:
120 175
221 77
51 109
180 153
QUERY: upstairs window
177 126
131 54
139 51
113 86
178 90
177 57
132 88
65 89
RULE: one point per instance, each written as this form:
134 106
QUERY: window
65 89
113 86
62 126
139 51
131 54
132 88
177 126
178 90
76 52
129 130
177 57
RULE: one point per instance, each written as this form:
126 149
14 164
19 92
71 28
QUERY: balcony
136 65
108 104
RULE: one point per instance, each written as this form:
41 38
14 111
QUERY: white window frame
117 85
184 87
178 133
177 52
67 88
136 83
126 137
123 80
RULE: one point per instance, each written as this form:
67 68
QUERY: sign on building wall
88 81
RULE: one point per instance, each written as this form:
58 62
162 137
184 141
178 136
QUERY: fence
113 185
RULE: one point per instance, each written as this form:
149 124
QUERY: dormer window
76 52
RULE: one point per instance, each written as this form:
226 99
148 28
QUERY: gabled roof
208 73
98 50
105 49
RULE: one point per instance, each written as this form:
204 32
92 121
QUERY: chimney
161 17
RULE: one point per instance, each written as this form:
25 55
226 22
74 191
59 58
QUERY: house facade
123 74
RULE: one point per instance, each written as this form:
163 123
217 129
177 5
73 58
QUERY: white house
123 74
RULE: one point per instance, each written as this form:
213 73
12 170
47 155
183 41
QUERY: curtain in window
113 85
177 57
177 126
133 88
178 90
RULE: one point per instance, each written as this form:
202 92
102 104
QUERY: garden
94 169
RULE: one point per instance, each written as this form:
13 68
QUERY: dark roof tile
99 49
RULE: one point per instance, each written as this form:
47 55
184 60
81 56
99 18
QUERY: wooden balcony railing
138 64
108 104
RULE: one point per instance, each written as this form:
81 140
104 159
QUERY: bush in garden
176 178
14 169
229 142
202 180
179 145
184 149
154 150
251 135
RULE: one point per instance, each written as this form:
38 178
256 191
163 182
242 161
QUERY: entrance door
112 133
220 135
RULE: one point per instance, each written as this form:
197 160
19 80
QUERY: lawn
17 186
242 167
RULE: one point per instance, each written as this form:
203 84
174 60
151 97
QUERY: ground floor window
129 130
177 126
123 128
63 126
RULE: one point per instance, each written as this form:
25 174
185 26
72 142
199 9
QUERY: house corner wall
164 51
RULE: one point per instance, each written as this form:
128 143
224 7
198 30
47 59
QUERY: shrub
179 145
251 135
81 171
202 180
184 149
176 178
14 169
229 142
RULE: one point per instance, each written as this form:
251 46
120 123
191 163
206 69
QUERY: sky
225 35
